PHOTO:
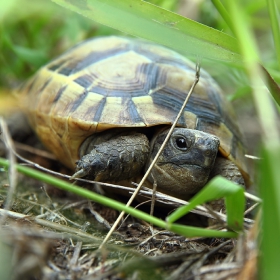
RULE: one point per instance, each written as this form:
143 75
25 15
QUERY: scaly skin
227 169
182 169
116 159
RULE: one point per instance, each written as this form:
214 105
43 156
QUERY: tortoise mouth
180 180
184 165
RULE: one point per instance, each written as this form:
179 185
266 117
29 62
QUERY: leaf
189 231
142 19
34 57
269 178
272 85
217 188
274 19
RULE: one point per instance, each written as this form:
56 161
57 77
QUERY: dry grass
53 235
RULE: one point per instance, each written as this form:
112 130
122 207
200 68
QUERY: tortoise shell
111 82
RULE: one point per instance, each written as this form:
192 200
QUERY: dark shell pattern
111 82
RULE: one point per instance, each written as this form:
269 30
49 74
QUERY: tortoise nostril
207 153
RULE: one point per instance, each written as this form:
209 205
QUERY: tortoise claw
79 174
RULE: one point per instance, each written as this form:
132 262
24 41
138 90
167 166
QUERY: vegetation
235 56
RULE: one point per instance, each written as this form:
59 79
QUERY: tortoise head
184 165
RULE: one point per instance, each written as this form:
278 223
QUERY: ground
51 234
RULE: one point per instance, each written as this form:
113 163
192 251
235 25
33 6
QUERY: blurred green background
33 32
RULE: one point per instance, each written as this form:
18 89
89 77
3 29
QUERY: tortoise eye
182 143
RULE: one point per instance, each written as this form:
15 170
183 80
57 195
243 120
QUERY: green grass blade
270 193
223 12
180 229
274 18
269 171
194 231
148 21
249 50
217 188
273 87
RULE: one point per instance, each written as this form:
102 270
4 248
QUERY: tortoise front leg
227 169
230 171
120 158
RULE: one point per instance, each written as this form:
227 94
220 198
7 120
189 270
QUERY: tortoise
106 105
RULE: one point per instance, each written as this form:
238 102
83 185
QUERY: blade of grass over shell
180 229
218 188
145 20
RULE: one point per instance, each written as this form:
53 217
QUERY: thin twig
252 157
77 251
156 157
98 217
12 169
253 197
153 196
220 267
251 208
34 151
